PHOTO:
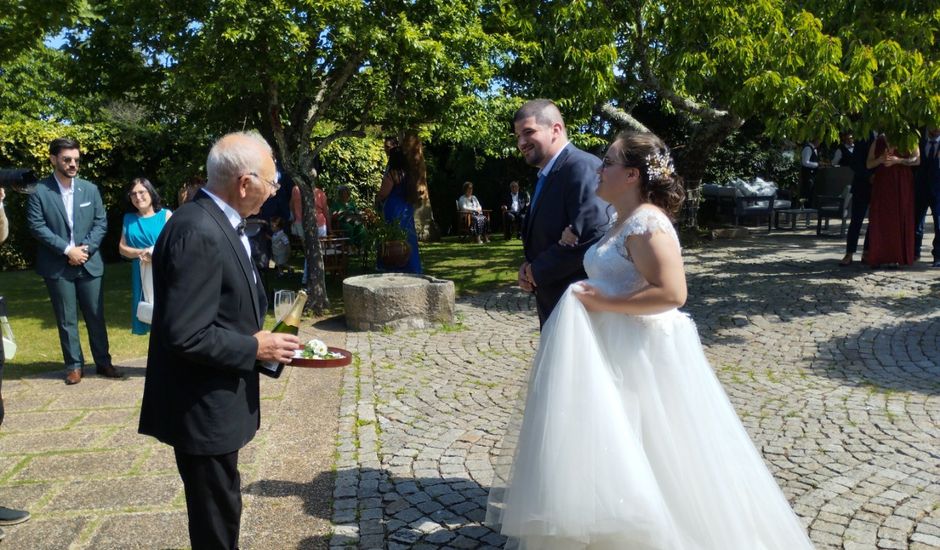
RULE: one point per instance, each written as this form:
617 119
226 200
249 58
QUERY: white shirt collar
548 165
231 214
63 189
233 218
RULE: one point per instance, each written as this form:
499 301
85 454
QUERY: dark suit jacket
201 391
45 215
861 175
567 198
523 200
927 176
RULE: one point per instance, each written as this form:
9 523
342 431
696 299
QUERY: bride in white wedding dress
628 440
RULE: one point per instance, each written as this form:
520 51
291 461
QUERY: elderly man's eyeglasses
273 183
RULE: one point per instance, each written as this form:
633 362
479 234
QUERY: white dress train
628 440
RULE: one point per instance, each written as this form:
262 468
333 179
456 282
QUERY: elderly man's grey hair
235 155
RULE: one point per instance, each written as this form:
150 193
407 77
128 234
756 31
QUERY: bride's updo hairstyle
659 185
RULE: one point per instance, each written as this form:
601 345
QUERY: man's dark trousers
929 199
860 203
213 498
67 294
2 362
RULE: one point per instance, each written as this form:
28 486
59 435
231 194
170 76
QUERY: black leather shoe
109 371
9 516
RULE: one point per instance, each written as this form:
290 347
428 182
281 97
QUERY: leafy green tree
291 68
801 69
24 24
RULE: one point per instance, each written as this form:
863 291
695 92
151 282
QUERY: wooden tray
324 363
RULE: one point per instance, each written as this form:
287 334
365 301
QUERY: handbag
6 333
145 306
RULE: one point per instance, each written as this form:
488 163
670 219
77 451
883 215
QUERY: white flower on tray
316 349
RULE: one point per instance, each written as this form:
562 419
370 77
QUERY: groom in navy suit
564 196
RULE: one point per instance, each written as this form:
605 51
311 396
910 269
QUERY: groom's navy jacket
567 198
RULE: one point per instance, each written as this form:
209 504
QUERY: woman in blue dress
142 225
400 192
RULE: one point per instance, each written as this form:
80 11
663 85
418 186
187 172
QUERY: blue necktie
538 188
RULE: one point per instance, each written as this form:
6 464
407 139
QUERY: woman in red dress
890 231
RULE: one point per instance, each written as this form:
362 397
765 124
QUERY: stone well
397 300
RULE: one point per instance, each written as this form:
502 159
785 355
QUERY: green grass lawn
473 268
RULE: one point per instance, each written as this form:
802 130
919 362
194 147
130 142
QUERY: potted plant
387 238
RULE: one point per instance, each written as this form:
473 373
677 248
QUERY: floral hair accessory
659 166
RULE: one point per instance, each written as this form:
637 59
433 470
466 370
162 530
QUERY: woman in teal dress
142 225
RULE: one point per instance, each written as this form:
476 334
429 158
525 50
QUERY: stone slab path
71 455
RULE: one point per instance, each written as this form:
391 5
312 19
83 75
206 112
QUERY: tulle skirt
628 441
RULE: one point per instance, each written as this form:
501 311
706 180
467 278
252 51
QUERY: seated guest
347 217
515 205
468 204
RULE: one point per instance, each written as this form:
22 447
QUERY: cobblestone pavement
834 373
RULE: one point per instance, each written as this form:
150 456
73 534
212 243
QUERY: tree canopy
310 73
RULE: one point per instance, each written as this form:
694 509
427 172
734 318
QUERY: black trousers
2 362
512 223
859 210
213 499
922 202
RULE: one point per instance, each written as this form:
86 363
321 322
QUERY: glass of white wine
282 302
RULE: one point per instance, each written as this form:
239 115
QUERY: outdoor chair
832 196
754 206
717 201
335 251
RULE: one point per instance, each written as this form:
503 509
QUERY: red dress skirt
891 214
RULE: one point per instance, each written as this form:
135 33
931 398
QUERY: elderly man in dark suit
564 196
201 393
515 205
67 217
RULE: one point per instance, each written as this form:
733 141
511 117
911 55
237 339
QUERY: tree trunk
692 160
425 225
317 301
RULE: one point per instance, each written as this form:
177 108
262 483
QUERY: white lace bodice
608 264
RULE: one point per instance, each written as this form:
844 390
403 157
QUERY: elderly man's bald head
240 171
234 155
